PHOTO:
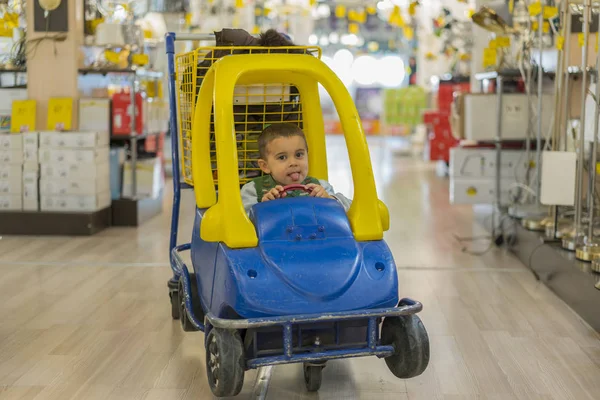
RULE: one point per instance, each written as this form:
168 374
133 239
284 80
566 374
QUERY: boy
283 158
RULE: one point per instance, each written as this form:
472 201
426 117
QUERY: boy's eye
281 157
300 154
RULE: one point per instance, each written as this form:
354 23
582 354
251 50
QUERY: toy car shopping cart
255 287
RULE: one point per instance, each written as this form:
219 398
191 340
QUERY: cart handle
289 188
192 36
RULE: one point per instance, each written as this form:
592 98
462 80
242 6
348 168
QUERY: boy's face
287 160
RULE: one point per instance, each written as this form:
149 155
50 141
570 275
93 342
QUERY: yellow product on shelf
60 114
23 116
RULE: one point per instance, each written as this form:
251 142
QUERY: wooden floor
88 318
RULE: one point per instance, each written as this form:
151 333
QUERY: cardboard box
8 171
473 162
14 185
11 202
480 116
30 148
95 115
74 140
479 191
31 191
72 156
11 141
74 187
74 171
149 180
67 203
11 157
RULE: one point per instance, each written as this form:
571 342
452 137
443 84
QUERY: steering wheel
289 188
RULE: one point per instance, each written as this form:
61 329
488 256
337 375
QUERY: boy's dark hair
275 131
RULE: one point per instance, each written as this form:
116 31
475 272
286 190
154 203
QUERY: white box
478 191
73 140
13 185
11 157
12 141
11 202
8 171
90 156
75 171
558 178
75 203
30 191
94 115
148 179
480 117
473 162
33 167
30 148
77 187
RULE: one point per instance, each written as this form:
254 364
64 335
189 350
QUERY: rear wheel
225 362
313 376
174 298
411 343
186 323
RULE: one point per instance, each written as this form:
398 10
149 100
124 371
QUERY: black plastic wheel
186 323
225 362
313 376
174 298
411 343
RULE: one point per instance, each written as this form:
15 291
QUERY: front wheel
313 376
225 362
411 343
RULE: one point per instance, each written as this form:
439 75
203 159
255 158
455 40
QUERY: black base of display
130 212
54 223
571 280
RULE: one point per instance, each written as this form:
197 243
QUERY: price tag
503 42
581 39
560 42
340 11
489 58
535 9
22 118
545 26
550 12
60 114
493 44
409 34
239 3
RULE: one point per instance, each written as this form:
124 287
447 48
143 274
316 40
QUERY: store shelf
132 212
54 223
571 280
143 73
123 138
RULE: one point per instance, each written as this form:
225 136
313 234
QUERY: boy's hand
275 193
318 191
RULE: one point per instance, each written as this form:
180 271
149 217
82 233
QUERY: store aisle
89 318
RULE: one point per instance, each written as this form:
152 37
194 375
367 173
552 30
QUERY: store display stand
136 210
52 223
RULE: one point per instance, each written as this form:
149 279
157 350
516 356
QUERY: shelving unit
135 210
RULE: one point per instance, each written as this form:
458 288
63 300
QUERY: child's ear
263 166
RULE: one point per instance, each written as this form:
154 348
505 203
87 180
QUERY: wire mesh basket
254 106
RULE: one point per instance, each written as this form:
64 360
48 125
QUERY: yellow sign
489 58
256 30
550 12
60 114
493 44
22 118
471 191
535 9
560 42
409 33
372 10
239 3
412 8
581 39
503 42
353 28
